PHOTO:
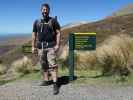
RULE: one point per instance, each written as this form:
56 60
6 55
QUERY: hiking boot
55 88
44 83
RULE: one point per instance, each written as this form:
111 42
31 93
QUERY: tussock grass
2 69
115 55
85 59
22 66
64 53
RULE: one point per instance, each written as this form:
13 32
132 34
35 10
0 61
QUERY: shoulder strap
51 22
38 22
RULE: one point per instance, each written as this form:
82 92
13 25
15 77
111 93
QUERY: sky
17 16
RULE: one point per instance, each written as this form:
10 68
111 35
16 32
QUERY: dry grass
85 59
116 54
64 53
2 69
22 66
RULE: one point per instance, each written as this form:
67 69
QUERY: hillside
70 25
8 43
104 28
128 9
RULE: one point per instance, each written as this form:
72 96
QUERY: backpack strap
39 22
50 22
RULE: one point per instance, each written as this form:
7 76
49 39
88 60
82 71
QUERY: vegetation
23 66
115 55
2 69
112 57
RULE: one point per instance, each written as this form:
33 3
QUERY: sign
27 49
79 41
84 41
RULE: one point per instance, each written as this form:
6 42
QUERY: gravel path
32 91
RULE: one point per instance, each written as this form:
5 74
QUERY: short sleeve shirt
55 25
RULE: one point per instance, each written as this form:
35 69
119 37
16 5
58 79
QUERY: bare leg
54 74
45 76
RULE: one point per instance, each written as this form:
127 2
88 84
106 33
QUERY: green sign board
79 41
84 41
27 49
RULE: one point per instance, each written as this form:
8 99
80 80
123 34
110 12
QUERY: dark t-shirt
46 29
55 25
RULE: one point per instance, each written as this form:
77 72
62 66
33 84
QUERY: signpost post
79 41
71 56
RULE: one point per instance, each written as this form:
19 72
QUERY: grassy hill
10 47
128 9
104 28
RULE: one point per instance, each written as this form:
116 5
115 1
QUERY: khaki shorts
47 58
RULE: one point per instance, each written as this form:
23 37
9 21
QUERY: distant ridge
70 25
14 39
104 28
128 9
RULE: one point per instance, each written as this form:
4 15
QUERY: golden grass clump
2 69
22 66
116 54
85 59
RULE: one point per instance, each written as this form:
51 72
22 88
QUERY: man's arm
34 42
34 39
34 36
58 35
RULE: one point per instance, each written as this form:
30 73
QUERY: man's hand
34 50
56 47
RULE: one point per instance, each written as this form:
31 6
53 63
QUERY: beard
45 15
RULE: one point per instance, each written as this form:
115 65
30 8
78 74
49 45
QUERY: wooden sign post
79 41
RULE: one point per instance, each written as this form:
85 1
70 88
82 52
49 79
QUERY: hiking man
46 41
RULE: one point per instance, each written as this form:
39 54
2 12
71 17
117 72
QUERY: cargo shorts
47 59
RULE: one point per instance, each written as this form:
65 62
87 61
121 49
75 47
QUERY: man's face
45 11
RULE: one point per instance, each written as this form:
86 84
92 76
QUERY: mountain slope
73 25
128 9
104 28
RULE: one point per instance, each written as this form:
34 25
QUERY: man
46 40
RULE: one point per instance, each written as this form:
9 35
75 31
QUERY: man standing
46 40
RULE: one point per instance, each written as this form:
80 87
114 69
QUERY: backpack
46 31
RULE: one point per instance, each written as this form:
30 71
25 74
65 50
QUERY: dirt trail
32 91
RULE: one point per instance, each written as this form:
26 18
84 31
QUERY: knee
54 68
